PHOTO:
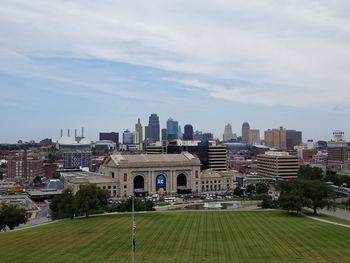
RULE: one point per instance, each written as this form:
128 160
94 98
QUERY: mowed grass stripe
181 237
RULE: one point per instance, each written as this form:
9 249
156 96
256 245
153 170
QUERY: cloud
287 53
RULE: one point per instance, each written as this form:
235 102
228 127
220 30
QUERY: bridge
341 190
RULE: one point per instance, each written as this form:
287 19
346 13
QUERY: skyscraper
138 132
294 138
172 129
245 132
276 138
164 134
153 127
188 132
228 135
128 137
254 137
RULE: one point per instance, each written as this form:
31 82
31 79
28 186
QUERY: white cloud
289 53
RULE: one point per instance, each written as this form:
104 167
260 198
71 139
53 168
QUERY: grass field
225 236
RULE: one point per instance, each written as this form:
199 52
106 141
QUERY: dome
85 141
66 140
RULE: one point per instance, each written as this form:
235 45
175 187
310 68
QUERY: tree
12 216
261 188
89 198
267 202
238 191
318 195
63 206
291 196
306 172
250 189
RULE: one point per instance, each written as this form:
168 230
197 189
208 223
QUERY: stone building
145 174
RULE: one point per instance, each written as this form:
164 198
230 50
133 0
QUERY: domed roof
66 140
85 141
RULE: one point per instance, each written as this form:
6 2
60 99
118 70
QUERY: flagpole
133 228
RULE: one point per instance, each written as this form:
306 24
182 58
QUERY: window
114 186
104 187
109 187
196 174
125 177
215 182
112 174
125 186
196 182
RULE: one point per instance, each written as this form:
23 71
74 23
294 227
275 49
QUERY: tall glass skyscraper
153 127
172 129
188 132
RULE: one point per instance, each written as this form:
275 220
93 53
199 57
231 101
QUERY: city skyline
104 65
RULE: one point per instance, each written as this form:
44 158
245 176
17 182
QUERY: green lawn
222 236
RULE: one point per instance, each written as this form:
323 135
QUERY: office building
24 168
188 132
293 138
172 129
228 135
254 137
245 132
279 165
153 128
198 136
128 137
276 138
211 155
164 134
337 158
110 136
138 138
77 159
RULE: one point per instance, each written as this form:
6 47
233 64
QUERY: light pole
133 229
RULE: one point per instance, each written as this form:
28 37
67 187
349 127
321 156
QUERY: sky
103 64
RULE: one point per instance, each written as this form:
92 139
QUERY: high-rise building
128 137
110 136
278 164
198 136
164 134
77 159
138 138
245 132
254 137
172 129
207 136
228 135
179 133
337 158
153 128
294 138
188 132
146 133
276 138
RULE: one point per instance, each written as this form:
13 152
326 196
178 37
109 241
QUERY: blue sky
67 64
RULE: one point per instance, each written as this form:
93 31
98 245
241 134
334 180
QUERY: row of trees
11 216
89 199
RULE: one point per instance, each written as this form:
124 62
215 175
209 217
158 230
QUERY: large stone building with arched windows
143 174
